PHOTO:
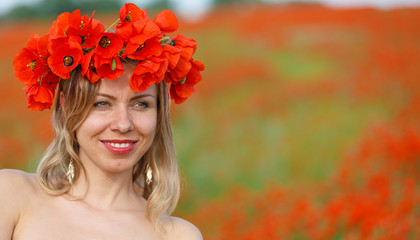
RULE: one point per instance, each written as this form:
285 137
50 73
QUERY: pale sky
195 8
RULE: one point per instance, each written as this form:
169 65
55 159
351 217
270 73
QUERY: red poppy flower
60 26
173 54
124 30
39 97
180 71
28 65
109 45
88 67
106 60
65 56
49 77
167 22
42 48
131 13
136 34
180 91
92 75
144 31
109 68
151 47
85 31
188 46
148 72
194 76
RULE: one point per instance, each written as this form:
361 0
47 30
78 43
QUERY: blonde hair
79 93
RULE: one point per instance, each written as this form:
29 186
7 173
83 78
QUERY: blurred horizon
191 10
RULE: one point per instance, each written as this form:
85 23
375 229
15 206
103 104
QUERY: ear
63 102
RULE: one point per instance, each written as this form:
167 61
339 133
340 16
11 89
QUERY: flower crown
74 40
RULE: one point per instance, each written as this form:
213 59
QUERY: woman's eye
141 105
101 104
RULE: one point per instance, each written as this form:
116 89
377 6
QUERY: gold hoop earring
70 172
149 175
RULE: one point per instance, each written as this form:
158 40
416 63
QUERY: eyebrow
131 99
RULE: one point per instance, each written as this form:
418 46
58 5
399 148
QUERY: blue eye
101 104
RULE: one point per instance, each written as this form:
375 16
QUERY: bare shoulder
178 228
15 179
16 185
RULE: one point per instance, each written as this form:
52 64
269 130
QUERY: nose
121 120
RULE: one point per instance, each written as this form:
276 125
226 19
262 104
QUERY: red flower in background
148 72
180 91
65 56
40 97
166 21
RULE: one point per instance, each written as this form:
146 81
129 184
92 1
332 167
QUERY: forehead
121 87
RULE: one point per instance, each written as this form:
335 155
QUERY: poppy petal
107 71
167 22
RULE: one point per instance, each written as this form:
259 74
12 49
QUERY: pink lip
119 150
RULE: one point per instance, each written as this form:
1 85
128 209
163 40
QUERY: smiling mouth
119 146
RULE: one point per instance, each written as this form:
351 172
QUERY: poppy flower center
141 47
32 65
68 61
83 39
128 17
105 42
81 24
172 43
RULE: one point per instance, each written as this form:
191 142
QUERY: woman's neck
106 191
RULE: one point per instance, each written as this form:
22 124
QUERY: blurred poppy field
305 126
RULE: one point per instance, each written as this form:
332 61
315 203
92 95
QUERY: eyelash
144 104
100 104
103 104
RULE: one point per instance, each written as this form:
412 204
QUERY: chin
120 165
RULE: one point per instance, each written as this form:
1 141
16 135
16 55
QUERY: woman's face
119 128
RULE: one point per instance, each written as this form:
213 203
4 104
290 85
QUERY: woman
111 171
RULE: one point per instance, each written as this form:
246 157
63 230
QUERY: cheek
147 125
90 127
